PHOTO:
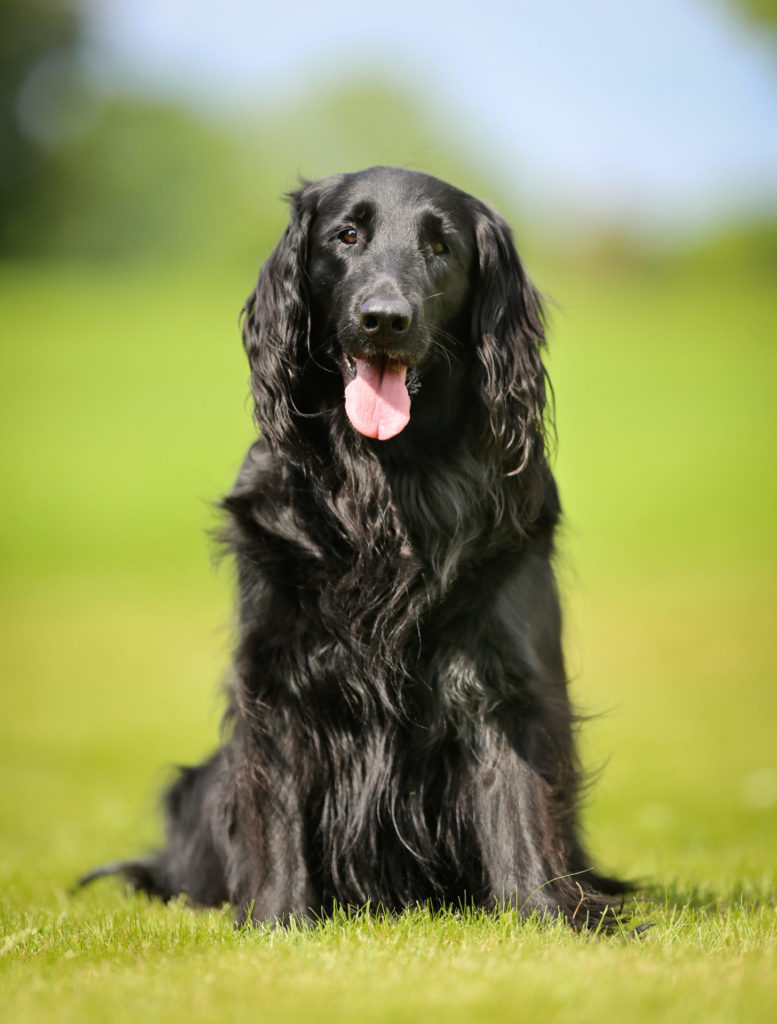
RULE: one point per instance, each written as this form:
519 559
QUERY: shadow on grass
746 895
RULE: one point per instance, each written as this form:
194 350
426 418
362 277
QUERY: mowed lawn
124 412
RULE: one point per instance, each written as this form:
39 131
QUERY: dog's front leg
517 831
526 832
268 873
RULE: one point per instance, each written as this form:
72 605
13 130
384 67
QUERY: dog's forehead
397 195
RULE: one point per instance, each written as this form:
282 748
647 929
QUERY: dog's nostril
400 324
370 322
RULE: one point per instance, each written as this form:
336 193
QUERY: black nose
385 320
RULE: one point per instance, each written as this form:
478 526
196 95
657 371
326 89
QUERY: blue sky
654 113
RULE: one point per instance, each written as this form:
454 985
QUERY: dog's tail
141 875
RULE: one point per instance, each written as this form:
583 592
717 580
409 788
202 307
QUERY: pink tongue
376 401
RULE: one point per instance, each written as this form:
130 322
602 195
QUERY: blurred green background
133 220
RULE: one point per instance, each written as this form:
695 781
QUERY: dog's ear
509 329
276 327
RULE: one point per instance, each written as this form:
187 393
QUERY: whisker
330 336
437 337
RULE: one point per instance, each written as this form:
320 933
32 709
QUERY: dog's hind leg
193 861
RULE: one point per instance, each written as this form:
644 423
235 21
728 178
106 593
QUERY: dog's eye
438 248
348 236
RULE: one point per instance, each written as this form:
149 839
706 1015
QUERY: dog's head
400 299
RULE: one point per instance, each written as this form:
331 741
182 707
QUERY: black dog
399 728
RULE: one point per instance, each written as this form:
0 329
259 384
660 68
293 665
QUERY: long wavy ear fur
276 330
509 326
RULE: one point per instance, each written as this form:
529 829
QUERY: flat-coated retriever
399 729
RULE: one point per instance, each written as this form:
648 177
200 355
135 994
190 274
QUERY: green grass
142 962
124 415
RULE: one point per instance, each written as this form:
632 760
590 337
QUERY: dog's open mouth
377 400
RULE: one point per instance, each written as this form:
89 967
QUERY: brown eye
348 236
439 248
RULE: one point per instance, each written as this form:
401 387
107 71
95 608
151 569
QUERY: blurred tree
123 178
38 67
761 10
